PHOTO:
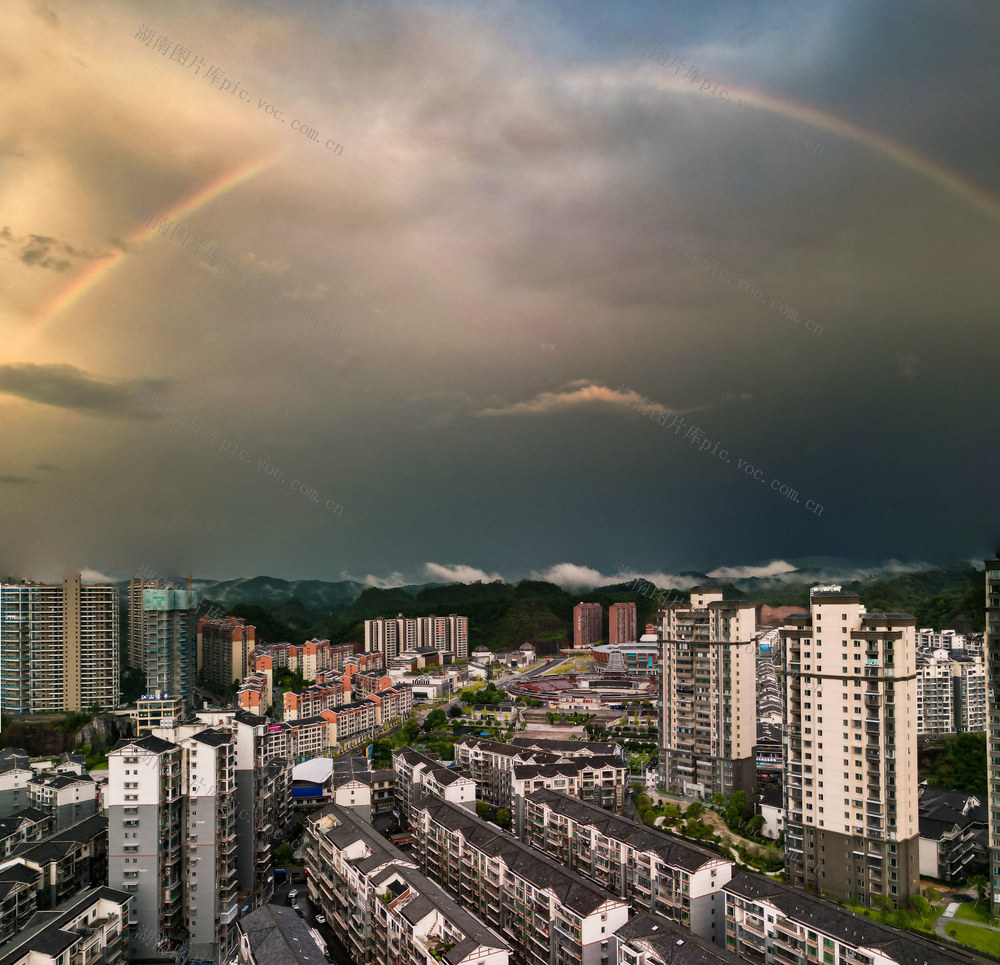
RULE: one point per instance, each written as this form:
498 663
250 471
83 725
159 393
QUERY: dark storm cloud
41 251
67 387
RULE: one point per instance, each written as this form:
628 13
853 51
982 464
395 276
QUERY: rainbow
100 269
652 78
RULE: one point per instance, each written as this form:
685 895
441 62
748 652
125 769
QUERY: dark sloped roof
278 936
583 896
149 743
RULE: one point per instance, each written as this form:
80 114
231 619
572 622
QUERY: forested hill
503 616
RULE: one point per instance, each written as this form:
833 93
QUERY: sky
392 290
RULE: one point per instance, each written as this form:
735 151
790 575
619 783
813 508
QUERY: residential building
316 699
223 650
551 915
622 623
276 934
136 633
67 798
92 928
58 647
381 907
254 694
951 692
850 749
953 833
651 940
709 676
600 781
929 640
491 765
418 775
771 923
152 711
992 650
569 749
659 874
395 635
172 841
15 773
168 635
66 862
588 620
27 826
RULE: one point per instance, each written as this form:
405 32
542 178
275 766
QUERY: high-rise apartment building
850 750
951 691
992 644
587 624
223 650
622 623
58 647
172 842
136 636
709 676
393 635
168 634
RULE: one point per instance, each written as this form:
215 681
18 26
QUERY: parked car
293 894
321 919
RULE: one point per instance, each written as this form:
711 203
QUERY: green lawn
981 938
974 911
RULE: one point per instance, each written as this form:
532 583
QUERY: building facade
168 634
850 750
622 623
709 678
58 647
223 650
395 635
588 620
951 692
658 874
551 915
992 646
381 907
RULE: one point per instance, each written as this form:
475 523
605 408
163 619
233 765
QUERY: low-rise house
275 934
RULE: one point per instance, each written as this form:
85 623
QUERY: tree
694 811
718 800
456 711
932 895
920 905
981 883
504 819
756 824
436 718
410 732
482 809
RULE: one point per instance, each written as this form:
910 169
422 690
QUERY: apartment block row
417 775
593 771
381 907
90 930
64 792
661 875
395 635
315 655
58 647
550 915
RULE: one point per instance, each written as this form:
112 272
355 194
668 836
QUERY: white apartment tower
58 647
172 842
393 635
709 677
850 750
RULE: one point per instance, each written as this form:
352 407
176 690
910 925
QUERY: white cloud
96 576
458 573
576 395
774 568
570 574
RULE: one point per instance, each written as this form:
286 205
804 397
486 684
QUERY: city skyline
352 288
